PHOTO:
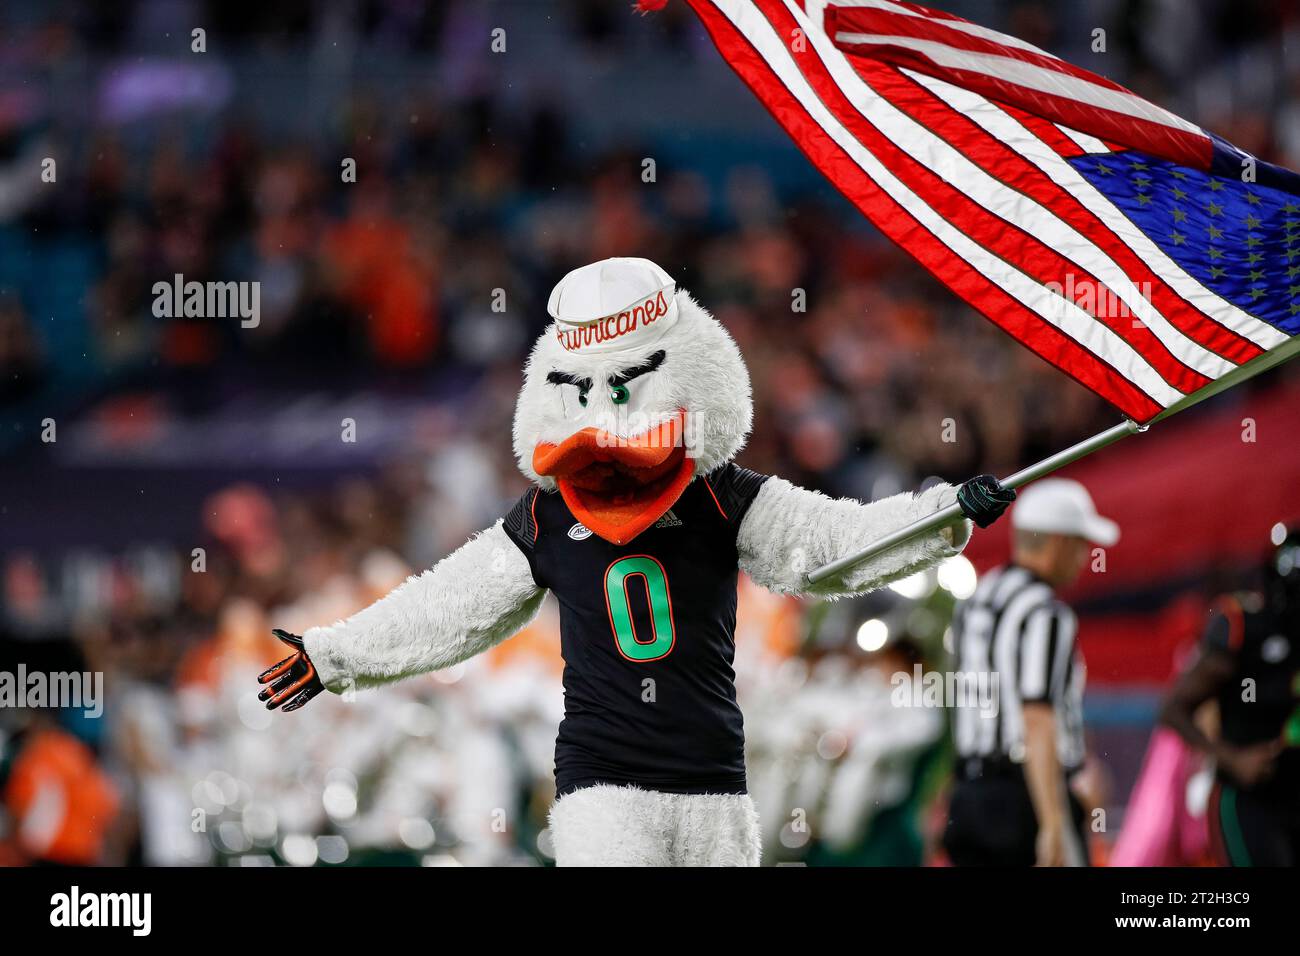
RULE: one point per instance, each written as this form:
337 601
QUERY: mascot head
631 392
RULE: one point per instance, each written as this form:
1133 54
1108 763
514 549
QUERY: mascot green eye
582 398
619 394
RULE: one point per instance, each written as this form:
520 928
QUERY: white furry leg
717 829
611 826
626 826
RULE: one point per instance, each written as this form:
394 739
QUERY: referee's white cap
1062 506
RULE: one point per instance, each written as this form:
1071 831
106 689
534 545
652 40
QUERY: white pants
607 825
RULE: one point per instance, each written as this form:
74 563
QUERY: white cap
613 304
1062 506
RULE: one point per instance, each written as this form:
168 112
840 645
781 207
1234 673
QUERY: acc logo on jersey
579 532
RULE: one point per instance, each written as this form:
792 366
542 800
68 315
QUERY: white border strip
1089 144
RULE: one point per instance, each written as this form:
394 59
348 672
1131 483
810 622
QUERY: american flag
1138 253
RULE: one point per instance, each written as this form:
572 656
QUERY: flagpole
950 514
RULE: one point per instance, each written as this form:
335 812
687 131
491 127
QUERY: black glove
983 499
294 679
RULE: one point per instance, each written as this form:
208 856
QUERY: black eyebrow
649 365
564 378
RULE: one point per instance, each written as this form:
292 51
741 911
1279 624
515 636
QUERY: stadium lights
340 801
872 635
914 587
298 849
957 576
416 832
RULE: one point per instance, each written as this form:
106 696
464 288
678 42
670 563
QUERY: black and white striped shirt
1016 635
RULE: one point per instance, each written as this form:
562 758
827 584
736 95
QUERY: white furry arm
789 531
469 601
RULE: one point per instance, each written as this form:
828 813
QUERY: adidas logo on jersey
669 520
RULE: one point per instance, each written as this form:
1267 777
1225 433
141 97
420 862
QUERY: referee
1012 804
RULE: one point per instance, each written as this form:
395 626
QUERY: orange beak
619 486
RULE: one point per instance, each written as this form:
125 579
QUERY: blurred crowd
433 266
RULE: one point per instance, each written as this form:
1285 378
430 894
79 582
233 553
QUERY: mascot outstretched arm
474 598
634 404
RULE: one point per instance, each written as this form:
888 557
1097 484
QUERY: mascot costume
634 403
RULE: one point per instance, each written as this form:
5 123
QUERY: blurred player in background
1250 666
1013 805
57 805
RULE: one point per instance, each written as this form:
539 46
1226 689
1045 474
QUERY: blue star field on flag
1241 240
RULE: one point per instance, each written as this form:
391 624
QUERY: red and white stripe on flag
955 141
1011 71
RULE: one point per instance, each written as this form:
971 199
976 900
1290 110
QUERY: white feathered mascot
634 403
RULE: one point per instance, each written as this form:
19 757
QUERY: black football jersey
647 631
1265 650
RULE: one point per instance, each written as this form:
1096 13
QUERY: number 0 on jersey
620 578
